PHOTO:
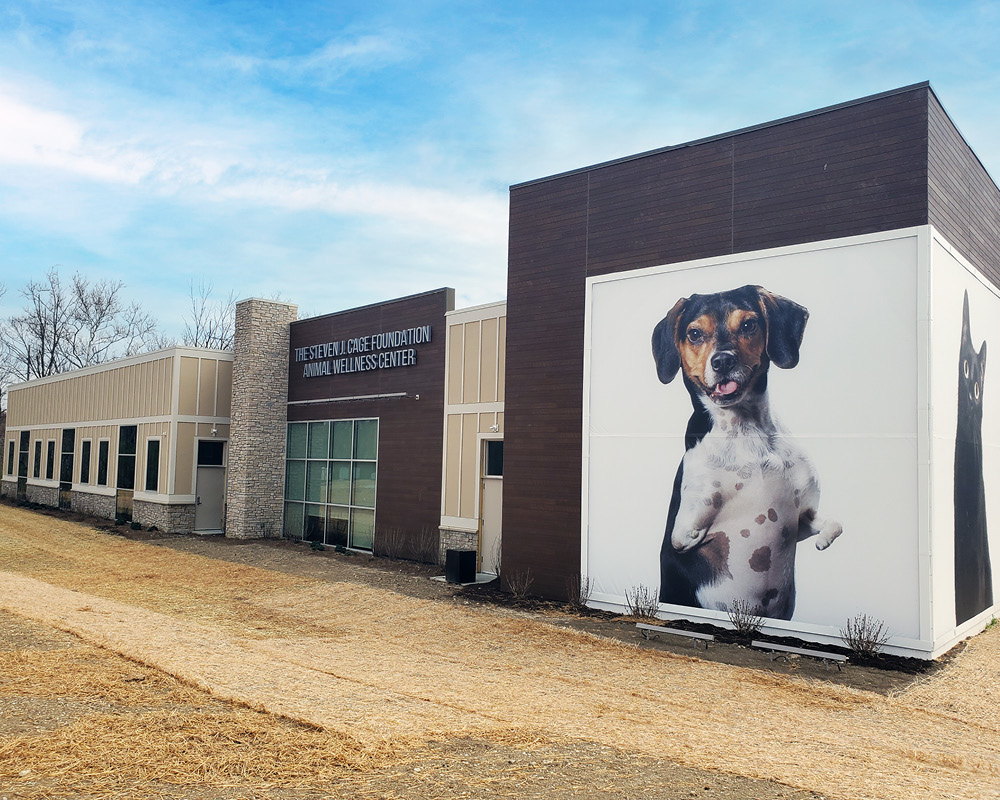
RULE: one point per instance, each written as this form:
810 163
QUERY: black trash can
460 566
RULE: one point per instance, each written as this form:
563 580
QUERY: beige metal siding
206 388
470 379
455 351
225 395
488 362
128 392
184 476
470 466
501 357
453 463
188 405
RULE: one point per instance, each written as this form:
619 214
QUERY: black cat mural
973 575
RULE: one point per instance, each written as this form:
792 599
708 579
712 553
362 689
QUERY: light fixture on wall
214 430
495 427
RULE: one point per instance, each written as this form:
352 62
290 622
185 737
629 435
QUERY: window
152 465
102 462
330 481
36 470
85 461
50 463
10 458
22 456
494 459
126 456
66 462
210 454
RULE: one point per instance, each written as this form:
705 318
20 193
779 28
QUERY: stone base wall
44 495
8 489
97 505
169 518
456 540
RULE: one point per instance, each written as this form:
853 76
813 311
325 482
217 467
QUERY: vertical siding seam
732 195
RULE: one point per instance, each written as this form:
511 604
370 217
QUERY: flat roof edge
449 292
720 136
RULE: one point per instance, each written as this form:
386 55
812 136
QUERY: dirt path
386 668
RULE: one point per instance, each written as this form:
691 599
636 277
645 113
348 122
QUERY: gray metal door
211 489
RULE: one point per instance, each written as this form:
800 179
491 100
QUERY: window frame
152 468
86 452
353 516
50 459
104 443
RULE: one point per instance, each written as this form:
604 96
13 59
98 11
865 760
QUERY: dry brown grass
386 669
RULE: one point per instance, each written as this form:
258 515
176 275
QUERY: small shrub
390 542
424 546
745 618
341 549
519 582
865 636
578 591
152 528
642 602
136 526
316 546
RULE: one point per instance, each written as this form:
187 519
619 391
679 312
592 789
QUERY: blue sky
340 153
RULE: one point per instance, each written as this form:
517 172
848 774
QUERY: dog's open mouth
726 390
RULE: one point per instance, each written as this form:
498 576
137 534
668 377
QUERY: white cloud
200 165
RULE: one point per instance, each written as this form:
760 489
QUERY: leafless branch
212 323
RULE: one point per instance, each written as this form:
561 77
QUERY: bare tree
103 326
212 323
65 327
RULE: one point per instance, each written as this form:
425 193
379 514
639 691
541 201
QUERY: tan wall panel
154 388
184 475
189 387
470 385
225 398
488 362
453 464
147 389
134 392
500 421
501 358
486 420
206 389
470 465
455 352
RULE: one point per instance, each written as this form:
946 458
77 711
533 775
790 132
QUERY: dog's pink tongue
727 388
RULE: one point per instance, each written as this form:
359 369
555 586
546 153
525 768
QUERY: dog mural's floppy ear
786 323
665 353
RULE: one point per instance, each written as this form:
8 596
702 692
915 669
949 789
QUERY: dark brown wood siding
854 169
411 430
964 200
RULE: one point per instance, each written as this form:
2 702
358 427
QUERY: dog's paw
830 531
685 540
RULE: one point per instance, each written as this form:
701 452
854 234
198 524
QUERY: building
844 264
600 255
143 437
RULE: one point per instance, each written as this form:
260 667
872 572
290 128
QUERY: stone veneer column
256 468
